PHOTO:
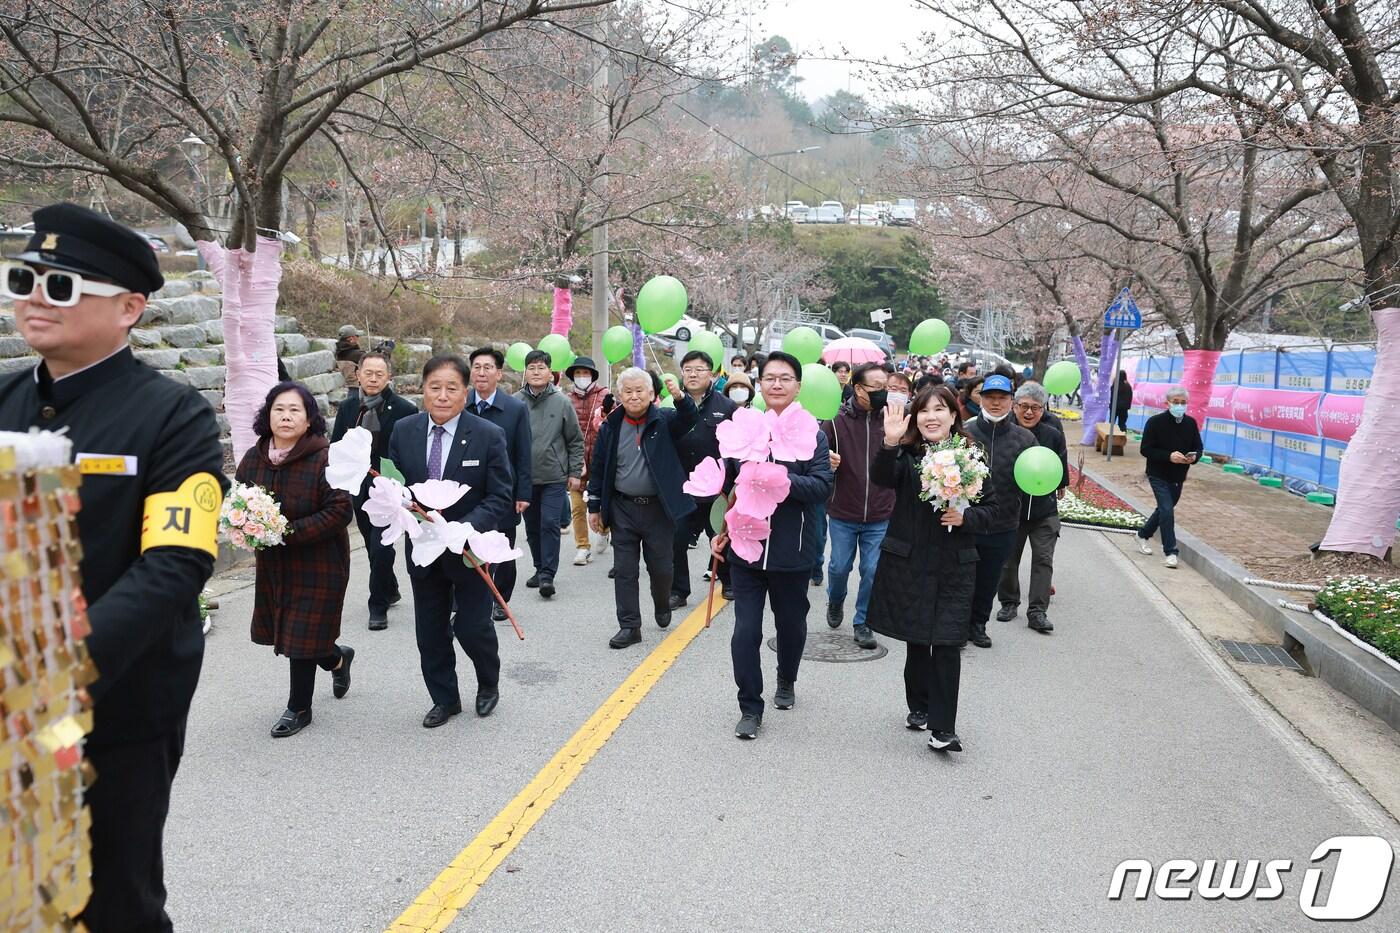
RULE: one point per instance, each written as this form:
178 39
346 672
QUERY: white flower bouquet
251 519
952 473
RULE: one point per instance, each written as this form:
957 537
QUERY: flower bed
1088 503
1067 414
1368 608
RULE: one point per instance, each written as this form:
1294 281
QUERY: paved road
1122 735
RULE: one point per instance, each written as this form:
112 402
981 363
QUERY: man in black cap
348 353
153 484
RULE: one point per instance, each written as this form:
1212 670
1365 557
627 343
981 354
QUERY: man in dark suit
444 443
377 409
510 415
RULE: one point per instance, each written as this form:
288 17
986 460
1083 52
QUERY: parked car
865 215
883 208
796 211
904 213
829 212
156 243
878 337
683 330
775 332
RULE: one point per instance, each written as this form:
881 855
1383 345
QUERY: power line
723 135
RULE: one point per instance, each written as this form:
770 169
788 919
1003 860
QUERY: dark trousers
304 678
129 803
931 677
641 530
786 594
992 552
1042 534
436 625
1167 494
542 527
816 574
383 584
1122 420
503 574
687 530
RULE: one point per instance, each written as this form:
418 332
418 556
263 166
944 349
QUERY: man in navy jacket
446 443
697 444
634 488
782 571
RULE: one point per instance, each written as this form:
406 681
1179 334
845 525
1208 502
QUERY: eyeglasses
1029 409
778 380
61 289
695 371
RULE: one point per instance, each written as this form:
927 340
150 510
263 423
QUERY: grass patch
1366 607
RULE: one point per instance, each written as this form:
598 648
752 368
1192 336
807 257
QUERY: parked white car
796 211
865 215
829 212
685 328
904 213
775 332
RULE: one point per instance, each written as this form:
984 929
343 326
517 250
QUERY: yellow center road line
438 905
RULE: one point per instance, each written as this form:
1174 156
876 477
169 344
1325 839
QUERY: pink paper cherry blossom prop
747 534
706 480
760 488
744 436
348 460
793 433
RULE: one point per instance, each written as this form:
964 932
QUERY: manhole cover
1248 652
837 646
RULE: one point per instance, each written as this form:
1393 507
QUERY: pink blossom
439 493
794 433
235 537
706 480
491 547
237 517
254 530
760 487
747 534
744 436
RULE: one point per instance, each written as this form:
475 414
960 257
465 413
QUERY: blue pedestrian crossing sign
1123 314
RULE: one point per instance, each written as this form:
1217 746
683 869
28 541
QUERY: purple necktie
435 453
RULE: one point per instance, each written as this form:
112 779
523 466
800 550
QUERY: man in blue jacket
512 416
634 488
782 571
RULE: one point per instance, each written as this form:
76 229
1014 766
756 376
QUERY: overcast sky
865 28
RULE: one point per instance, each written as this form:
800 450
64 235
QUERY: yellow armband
187 517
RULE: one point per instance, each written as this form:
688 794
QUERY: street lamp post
194 149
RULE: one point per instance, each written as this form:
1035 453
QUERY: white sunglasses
60 288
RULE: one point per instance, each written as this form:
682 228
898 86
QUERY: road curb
1366 679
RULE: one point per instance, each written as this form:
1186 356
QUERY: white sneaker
600 544
705 576
583 556
1143 546
1170 562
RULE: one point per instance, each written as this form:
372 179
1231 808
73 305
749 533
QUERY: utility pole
600 188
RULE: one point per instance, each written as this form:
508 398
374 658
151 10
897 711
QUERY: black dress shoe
612 573
486 701
625 637
547 587
979 637
727 592
677 601
835 614
663 619
291 723
395 599
378 621
1006 613
1039 623
340 677
533 582
439 714
497 614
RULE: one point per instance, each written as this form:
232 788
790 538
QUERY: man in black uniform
152 486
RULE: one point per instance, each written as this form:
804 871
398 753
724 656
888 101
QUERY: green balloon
561 355
805 344
710 344
929 337
1038 471
821 391
515 355
1062 378
617 344
758 404
660 304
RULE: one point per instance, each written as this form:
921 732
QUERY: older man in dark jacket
1040 519
1004 440
698 443
512 416
634 488
781 573
376 408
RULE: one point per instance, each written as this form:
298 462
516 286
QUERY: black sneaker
625 637
1038 622
864 637
785 696
727 592
748 726
677 601
916 721
378 621
534 581
817 580
340 677
835 614
612 573
979 637
944 742
1006 613
547 587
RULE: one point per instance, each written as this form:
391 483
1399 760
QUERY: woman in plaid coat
300 584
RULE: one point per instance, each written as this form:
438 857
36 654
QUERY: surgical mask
582 382
877 398
1178 411
740 395
896 398
994 419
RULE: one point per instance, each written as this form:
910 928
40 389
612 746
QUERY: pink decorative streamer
249 282
1198 378
1368 487
563 319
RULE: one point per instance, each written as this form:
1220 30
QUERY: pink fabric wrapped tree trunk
1197 378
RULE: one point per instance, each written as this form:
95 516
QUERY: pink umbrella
853 350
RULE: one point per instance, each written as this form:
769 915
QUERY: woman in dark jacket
1124 401
301 584
928 566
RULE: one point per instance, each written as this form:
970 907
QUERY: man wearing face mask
739 390
1171 442
859 510
1004 440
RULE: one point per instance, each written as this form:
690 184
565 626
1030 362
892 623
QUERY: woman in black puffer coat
928 566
